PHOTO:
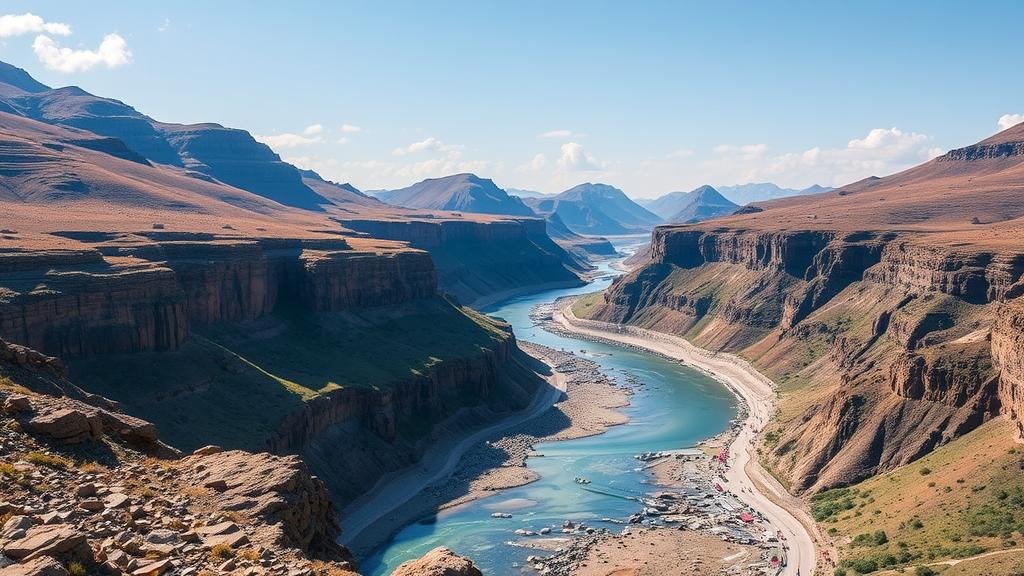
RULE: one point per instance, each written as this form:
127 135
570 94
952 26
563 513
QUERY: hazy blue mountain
459 193
701 204
759 192
597 209
527 193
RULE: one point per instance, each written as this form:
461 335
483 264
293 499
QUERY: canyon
887 312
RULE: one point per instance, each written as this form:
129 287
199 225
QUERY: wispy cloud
452 151
881 151
556 134
312 134
680 153
111 53
350 129
1009 120
164 26
12 25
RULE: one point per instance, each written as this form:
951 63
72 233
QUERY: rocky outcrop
147 295
145 512
438 562
977 276
278 490
1008 358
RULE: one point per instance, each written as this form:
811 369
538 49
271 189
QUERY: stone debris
90 485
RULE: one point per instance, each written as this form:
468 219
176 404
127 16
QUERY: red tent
746 517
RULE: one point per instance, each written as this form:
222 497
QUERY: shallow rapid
673 407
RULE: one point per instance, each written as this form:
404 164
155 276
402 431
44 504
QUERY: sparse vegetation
49 460
876 538
221 552
76 569
826 506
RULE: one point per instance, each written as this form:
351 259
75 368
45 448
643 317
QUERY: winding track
746 478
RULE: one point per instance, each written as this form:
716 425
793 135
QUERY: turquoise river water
676 407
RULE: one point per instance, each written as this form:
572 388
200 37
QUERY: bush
221 552
925 471
76 569
49 460
870 539
924 571
827 505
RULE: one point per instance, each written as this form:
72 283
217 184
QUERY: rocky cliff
129 293
476 259
884 344
270 343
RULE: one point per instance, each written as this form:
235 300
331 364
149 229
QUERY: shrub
870 539
925 471
924 571
76 569
8 470
221 552
49 460
827 505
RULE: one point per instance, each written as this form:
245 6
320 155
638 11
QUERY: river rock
438 562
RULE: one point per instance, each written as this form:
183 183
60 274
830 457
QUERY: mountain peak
463 192
20 79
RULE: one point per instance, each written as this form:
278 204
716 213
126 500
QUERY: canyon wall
884 345
147 296
477 259
209 321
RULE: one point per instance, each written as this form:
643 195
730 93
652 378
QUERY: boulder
438 562
154 568
57 540
67 425
44 566
208 450
17 404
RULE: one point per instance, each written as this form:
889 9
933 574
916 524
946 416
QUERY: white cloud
350 129
680 153
882 151
312 134
342 140
163 27
745 150
556 134
575 159
452 151
112 52
1009 120
12 25
537 163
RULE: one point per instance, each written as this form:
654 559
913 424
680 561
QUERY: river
673 407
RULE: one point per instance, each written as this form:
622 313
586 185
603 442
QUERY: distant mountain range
597 209
683 207
458 193
527 193
759 192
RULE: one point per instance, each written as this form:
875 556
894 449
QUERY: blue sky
648 96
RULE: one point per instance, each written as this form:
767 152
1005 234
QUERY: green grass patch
234 384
